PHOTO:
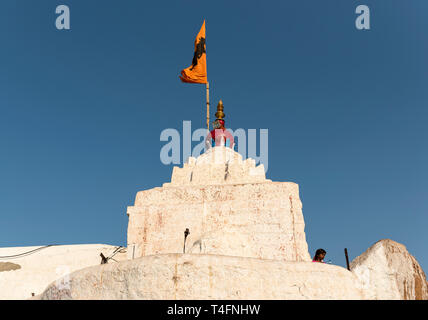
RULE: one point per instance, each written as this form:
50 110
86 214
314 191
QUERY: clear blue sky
82 111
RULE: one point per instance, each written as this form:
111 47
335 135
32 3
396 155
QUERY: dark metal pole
347 259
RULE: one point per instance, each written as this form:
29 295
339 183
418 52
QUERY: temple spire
220 114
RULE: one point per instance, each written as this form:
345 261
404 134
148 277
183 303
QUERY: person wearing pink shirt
220 136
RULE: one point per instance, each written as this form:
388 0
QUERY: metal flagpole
208 106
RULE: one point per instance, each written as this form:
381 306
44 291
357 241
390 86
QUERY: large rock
387 271
198 276
228 205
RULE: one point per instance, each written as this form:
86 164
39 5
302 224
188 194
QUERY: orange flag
197 72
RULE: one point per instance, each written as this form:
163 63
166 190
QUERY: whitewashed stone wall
218 165
229 207
32 273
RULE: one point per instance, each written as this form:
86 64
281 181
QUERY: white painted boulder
387 271
198 276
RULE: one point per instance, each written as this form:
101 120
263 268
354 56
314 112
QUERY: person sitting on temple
220 136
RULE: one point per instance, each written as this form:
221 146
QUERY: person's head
320 255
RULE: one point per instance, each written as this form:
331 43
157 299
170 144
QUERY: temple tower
229 207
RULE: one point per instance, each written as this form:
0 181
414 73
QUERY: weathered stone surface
234 217
32 273
388 272
190 276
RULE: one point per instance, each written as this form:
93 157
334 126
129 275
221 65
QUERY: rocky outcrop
218 165
388 271
199 276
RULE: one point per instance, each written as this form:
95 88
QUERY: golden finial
220 114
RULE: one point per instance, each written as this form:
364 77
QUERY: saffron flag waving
197 72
